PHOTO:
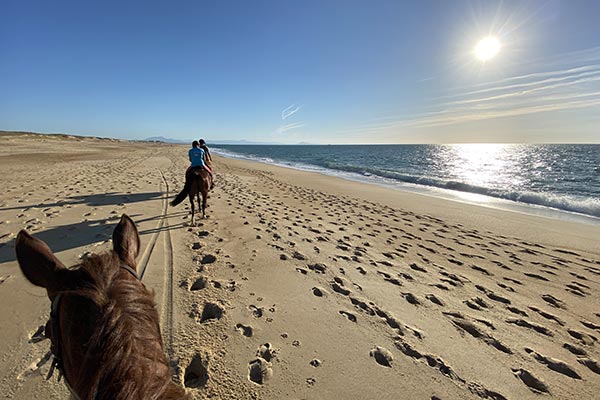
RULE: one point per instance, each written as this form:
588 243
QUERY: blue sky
314 71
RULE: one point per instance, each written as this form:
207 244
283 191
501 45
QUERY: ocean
538 178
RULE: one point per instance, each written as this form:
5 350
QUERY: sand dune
304 286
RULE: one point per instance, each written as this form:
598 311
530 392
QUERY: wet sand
299 285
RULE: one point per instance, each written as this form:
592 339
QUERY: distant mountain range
165 140
161 139
210 142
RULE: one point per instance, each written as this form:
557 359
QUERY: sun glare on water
487 48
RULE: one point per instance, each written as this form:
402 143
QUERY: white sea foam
527 201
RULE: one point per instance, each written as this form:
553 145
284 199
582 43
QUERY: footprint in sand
534 384
492 295
245 330
434 299
257 312
530 325
416 267
382 355
578 351
208 259
315 362
472 304
196 373
506 287
319 268
440 286
593 365
411 298
517 311
469 327
536 276
259 371
554 364
576 288
339 289
547 315
351 317
298 256
590 325
553 301
199 283
211 311
266 352
583 338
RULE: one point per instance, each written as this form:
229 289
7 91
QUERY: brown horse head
104 325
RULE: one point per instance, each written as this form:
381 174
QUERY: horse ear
126 240
38 263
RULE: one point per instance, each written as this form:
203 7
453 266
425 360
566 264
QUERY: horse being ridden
104 326
198 180
199 184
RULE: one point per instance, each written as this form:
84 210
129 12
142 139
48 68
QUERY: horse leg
199 203
204 197
191 197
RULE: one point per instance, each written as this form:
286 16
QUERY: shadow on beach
70 236
95 200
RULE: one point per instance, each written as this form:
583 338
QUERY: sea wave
562 202
588 206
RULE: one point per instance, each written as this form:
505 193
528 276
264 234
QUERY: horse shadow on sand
94 200
70 236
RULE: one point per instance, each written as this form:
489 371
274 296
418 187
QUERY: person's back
196 156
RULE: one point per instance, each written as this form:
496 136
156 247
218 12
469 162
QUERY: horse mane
124 356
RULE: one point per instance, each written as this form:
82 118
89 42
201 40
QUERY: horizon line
251 143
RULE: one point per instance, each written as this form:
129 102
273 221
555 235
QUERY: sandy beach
305 286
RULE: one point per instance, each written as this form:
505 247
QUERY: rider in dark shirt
207 161
203 146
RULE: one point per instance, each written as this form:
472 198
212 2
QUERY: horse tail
190 176
180 197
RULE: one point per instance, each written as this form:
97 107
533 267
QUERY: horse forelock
123 357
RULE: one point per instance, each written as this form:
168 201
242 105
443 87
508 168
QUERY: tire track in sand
162 229
164 187
168 285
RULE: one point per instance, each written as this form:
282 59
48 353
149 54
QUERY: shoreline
503 221
429 190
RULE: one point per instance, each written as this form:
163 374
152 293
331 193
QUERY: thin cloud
572 78
528 92
567 88
289 127
456 119
289 111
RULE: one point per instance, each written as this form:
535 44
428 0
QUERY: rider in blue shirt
196 156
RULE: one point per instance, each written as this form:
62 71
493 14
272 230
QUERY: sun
487 48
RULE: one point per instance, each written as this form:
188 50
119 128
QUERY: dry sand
312 286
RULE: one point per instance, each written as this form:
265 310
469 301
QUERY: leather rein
55 346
